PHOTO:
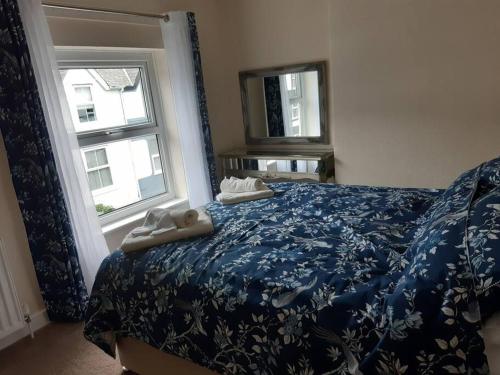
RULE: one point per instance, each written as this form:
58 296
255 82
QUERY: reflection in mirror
285 105
265 165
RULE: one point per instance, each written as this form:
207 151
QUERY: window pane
111 97
156 163
82 114
106 179
90 158
94 180
91 113
131 173
101 157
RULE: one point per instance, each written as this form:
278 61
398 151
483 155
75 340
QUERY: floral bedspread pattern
320 279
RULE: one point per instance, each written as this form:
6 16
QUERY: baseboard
38 321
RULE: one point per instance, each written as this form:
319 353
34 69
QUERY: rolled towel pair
235 190
237 185
160 220
233 198
139 240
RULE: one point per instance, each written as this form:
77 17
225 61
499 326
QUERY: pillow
450 205
469 198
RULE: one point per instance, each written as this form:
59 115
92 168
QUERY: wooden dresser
277 166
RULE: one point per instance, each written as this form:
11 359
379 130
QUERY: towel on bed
184 218
233 198
156 219
135 242
237 185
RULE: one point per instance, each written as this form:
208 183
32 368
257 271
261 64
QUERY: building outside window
114 106
294 88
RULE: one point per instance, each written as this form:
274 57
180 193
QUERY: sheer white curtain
179 55
92 248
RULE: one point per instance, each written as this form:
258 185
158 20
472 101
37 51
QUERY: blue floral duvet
320 279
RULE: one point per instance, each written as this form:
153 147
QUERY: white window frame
69 58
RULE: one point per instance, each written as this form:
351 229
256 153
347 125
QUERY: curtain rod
165 17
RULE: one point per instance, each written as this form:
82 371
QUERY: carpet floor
58 349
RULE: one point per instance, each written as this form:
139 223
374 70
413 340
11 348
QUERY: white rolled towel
184 218
203 226
156 219
233 198
237 185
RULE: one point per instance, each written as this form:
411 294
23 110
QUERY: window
294 88
98 171
123 146
85 108
155 157
156 164
294 85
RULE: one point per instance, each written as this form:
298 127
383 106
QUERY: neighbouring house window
98 171
155 157
156 163
294 88
85 107
123 146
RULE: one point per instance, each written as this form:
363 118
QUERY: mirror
285 105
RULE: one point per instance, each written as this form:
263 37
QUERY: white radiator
11 320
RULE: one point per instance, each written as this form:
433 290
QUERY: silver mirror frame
319 67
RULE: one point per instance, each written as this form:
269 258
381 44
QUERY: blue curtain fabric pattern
202 103
35 177
274 109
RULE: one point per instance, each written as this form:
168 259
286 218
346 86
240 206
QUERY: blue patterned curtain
35 177
202 102
274 109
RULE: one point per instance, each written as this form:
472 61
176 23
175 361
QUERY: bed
320 279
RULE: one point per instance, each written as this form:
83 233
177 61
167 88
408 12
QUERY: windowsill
116 225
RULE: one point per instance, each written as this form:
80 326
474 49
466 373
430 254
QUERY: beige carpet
58 349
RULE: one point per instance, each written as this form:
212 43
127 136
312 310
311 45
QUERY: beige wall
414 85
416 94
13 235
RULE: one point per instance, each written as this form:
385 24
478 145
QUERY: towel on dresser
134 242
233 198
237 185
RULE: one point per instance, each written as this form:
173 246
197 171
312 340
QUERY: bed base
144 359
